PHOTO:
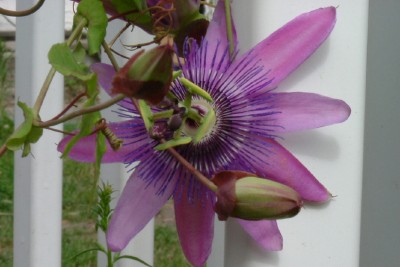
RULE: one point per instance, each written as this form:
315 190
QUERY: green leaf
131 258
64 61
86 251
26 133
26 150
135 9
91 87
34 134
93 11
79 53
18 138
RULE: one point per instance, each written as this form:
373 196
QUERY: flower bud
243 195
147 75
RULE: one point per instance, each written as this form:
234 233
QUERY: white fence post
327 236
38 177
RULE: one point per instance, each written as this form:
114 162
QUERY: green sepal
93 11
173 143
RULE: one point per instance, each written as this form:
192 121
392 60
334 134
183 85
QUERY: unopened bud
243 195
147 75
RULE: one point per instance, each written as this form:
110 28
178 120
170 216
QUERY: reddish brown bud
147 75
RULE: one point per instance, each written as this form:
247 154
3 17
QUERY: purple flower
250 115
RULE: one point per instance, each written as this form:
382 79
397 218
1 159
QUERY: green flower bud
243 195
147 75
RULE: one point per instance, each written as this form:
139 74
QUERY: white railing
327 236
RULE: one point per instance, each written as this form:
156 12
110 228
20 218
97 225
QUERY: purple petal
85 149
195 225
105 74
216 37
276 163
283 51
302 111
265 232
137 205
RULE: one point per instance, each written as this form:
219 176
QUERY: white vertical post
142 245
38 177
327 235
380 235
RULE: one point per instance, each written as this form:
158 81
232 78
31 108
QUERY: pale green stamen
163 114
195 89
205 126
173 143
146 114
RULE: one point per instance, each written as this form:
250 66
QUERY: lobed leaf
93 11
64 61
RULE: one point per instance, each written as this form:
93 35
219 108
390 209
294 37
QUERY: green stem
110 55
45 87
3 150
80 112
229 28
166 114
110 262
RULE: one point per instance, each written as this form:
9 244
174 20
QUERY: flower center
204 126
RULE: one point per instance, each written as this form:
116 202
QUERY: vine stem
229 28
22 13
3 150
80 112
110 55
70 105
45 87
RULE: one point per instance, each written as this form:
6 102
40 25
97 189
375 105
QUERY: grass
167 250
6 194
